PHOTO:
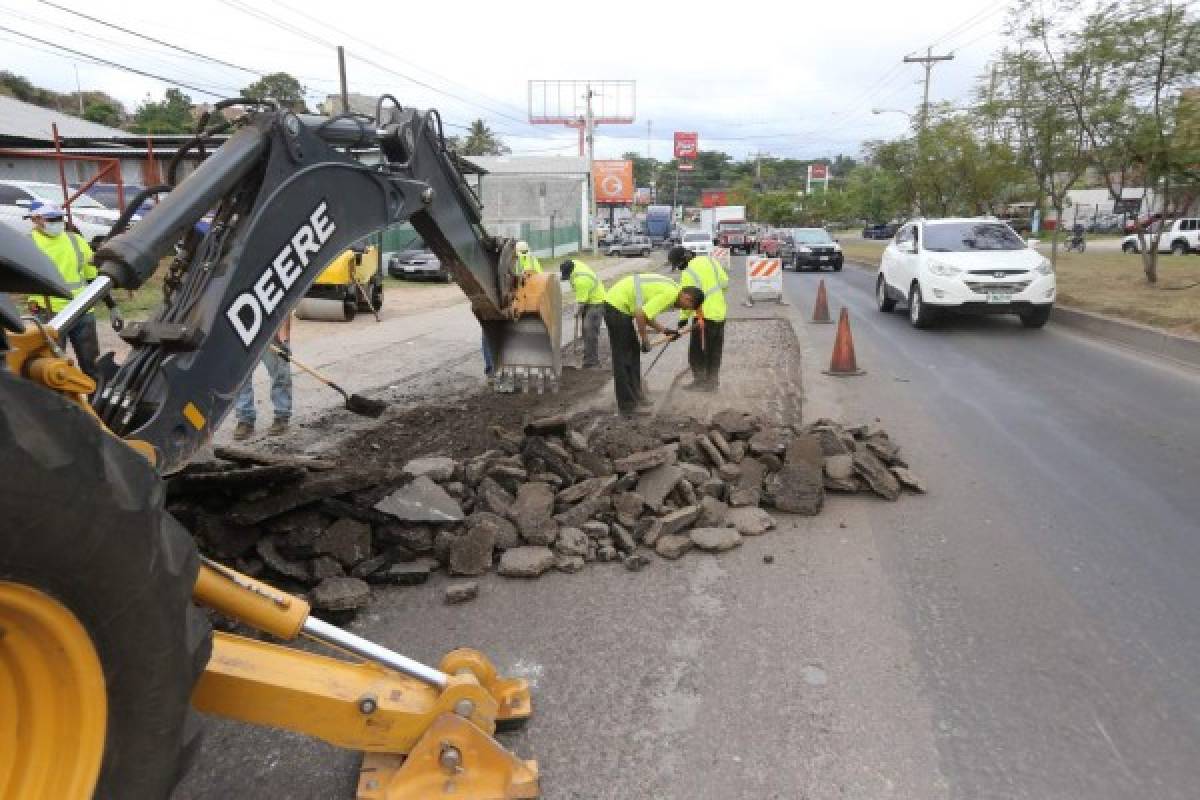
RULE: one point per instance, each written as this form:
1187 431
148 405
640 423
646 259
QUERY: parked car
18 197
882 230
417 261
635 245
978 266
699 242
814 247
106 194
1182 236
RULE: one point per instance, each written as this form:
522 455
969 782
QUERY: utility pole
589 132
342 79
927 61
649 129
78 89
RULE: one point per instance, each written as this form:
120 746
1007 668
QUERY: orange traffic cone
821 309
843 362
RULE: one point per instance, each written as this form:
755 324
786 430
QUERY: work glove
683 323
671 335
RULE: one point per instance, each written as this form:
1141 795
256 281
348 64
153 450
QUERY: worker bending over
631 305
708 335
589 300
73 257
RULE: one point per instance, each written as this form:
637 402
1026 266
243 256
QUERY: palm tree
481 141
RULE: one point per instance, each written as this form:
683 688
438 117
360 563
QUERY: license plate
999 297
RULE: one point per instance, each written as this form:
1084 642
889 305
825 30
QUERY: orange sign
613 182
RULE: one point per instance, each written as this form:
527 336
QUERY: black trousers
705 360
626 358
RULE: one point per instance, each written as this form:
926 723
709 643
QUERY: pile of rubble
557 496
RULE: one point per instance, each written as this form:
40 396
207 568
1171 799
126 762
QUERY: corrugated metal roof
20 120
532 165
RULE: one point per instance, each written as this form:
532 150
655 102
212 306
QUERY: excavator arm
290 192
287 194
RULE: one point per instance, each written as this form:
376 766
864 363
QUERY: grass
1110 283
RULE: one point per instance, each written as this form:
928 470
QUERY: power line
114 63
114 26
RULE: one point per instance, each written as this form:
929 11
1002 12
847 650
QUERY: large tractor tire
100 644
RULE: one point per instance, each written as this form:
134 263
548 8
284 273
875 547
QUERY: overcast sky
784 79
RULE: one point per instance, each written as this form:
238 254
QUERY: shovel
355 403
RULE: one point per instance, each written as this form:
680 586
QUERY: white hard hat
46 211
522 246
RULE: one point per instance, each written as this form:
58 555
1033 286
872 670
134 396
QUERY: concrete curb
1143 338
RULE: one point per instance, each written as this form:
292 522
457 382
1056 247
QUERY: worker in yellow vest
71 254
630 307
526 260
708 337
589 301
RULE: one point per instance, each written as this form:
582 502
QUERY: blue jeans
281 389
488 364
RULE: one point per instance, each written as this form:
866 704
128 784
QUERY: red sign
685 167
818 172
687 145
711 198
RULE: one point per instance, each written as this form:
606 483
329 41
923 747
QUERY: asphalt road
1051 588
1026 630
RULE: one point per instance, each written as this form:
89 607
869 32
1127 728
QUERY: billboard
687 145
818 172
613 182
711 198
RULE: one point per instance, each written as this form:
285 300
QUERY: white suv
971 266
17 197
1180 238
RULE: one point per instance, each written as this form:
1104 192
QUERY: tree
172 115
873 193
481 141
280 87
103 114
1135 114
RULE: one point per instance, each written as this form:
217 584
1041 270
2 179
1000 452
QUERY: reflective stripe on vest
79 265
637 288
719 286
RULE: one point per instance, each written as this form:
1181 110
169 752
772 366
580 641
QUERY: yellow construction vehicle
352 282
105 653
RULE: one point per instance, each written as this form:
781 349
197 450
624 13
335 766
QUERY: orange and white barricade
764 278
721 254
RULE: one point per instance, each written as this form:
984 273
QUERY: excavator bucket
528 348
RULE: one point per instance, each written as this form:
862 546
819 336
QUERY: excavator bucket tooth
531 343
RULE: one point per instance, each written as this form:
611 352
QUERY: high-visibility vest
73 258
705 273
589 290
528 262
646 292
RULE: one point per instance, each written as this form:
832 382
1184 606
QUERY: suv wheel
1179 248
883 300
1037 317
919 314
1129 247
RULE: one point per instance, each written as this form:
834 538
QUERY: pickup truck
1182 236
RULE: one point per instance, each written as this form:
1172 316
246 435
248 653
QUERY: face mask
54 228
